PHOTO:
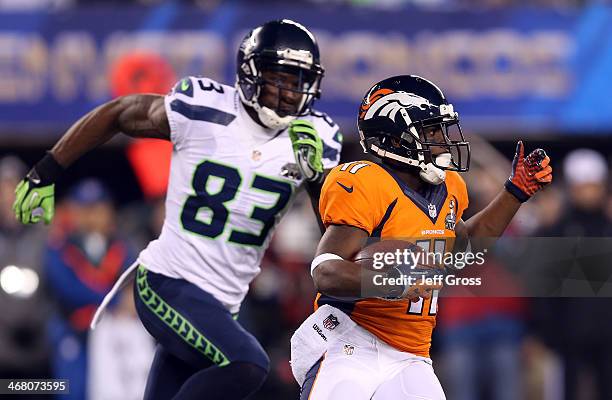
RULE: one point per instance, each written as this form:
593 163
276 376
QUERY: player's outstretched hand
35 194
529 174
308 149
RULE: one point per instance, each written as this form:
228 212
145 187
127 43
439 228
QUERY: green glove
35 194
308 149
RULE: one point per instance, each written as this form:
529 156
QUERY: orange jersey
371 197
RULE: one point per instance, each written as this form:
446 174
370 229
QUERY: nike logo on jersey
348 189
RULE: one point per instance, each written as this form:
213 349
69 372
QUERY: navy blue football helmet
407 119
284 46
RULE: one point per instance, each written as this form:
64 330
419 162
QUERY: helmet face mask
408 120
279 72
448 140
286 90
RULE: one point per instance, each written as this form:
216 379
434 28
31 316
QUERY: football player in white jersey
239 155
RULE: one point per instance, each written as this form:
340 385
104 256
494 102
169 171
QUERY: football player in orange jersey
415 191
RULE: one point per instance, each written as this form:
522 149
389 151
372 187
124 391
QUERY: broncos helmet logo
387 103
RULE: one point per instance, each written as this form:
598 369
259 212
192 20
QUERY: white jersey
230 182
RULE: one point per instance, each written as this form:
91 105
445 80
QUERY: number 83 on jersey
221 192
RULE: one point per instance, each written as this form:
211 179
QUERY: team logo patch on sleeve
185 87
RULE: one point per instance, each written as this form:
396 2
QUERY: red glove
529 174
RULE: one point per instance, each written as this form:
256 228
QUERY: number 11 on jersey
439 245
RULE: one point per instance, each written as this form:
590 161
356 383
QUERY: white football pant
359 366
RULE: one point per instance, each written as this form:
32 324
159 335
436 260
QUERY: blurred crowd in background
53 277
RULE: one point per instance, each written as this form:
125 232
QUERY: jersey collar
430 203
259 134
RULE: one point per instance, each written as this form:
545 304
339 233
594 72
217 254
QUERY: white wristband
322 258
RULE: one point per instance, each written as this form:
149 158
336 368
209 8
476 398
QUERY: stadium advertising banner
522 69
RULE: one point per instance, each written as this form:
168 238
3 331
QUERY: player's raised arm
141 115
529 175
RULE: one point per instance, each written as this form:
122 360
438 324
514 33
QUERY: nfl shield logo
331 322
432 211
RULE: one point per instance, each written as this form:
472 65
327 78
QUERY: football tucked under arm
399 269
344 268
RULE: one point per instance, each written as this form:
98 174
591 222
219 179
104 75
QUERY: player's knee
250 375
261 360
251 352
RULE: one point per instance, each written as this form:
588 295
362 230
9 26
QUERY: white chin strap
271 119
432 174
429 172
267 116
